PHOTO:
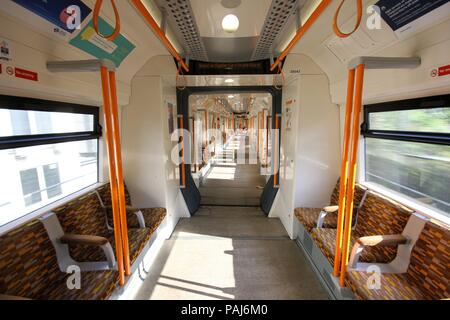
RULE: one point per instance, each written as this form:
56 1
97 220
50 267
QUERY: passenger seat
427 277
29 269
377 216
136 217
327 217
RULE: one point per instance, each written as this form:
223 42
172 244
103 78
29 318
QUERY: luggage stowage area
396 254
38 260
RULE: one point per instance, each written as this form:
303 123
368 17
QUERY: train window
407 149
48 150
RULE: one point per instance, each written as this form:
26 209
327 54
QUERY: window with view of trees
407 149
48 150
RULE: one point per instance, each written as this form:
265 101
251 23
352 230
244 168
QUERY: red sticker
26 74
444 71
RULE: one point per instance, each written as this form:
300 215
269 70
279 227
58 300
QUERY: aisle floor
230 253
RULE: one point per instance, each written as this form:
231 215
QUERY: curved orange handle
338 31
116 32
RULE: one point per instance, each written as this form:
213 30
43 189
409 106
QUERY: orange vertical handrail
182 144
352 172
258 135
267 139
301 31
206 137
119 171
112 174
276 151
344 171
159 33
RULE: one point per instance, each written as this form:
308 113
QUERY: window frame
29 104
434 102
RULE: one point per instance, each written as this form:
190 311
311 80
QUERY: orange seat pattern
151 215
377 216
29 269
427 277
308 216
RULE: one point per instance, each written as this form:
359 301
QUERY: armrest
83 239
88 240
323 214
372 241
331 209
385 240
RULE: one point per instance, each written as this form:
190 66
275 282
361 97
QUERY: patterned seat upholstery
377 216
428 275
85 216
152 216
29 269
309 216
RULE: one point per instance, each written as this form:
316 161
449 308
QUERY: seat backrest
105 194
28 261
381 216
83 215
334 200
429 268
359 194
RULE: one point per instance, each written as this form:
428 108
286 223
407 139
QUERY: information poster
407 16
55 11
89 41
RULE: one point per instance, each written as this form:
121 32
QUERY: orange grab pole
206 137
112 173
183 167
352 172
301 32
96 15
344 170
159 33
276 150
119 172
337 30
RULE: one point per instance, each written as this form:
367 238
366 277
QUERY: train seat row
411 251
31 263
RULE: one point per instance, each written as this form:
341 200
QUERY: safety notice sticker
89 41
5 50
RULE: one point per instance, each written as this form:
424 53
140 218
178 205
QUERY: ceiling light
230 23
229 81
231 96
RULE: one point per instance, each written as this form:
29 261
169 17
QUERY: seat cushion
152 217
326 241
308 218
393 286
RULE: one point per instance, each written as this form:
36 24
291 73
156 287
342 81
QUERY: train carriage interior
224 150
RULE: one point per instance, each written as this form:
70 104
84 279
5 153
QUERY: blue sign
55 11
398 14
89 41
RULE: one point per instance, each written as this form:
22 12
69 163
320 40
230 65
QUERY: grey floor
231 252
231 183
